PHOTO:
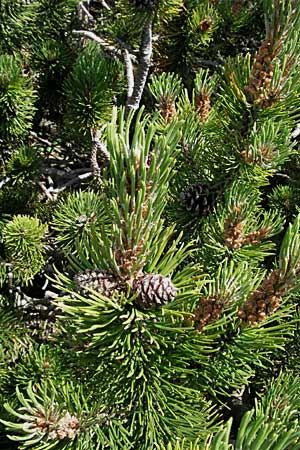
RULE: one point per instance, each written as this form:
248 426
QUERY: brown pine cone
153 290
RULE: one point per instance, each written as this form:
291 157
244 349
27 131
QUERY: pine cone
153 290
198 199
144 5
101 281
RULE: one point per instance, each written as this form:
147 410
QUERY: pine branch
267 298
97 145
85 16
76 180
113 50
129 74
46 191
133 101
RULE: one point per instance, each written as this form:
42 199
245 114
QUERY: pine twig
133 100
85 12
76 180
97 145
62 174
129 74
46 191
42 140
133 53
113 50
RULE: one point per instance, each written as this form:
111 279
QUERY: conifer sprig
269 146
228 288
273 74
140 170
135 348
49 417
88 91
24 249
17 99
270 425
267 298
204 87
240 227
166 88
78 219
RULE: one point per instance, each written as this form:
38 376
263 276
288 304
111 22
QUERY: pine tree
149 225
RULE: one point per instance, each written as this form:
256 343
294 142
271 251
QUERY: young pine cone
102 281
153 290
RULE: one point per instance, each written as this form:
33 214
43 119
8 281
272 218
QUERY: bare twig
54 171
50 183
113 50
122 44
4 181
94 162
46 191
133 101
102 3
105 5
208 63
89 34
57 161
42 140
85 11
97 145
78 171
62 173
129 74
75 180
50 144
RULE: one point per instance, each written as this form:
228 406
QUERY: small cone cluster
202 104
54 426
208 311
259 85
67 427
127 259
167 107
255 237
235 239
153 291
264 301
233 233
102 281
266 155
